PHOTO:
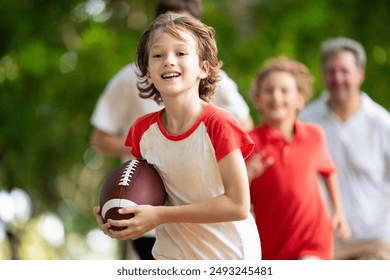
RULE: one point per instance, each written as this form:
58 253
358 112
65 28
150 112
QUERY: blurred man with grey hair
358 137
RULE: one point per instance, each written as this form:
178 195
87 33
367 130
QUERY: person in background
120 105
291 215
198 149
357 135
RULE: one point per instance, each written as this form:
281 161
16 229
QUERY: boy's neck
285 127
179 118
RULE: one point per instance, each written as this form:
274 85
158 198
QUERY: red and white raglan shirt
188 165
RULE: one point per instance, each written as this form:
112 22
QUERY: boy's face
174 65
278 98
342 77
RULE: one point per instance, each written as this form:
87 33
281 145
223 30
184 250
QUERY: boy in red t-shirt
290 213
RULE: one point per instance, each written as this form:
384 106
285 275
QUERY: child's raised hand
257 164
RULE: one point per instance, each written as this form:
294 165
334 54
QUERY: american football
134 182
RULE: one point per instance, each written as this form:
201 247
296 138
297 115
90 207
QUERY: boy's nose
277 95
169 60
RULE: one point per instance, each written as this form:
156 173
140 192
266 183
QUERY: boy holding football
198 149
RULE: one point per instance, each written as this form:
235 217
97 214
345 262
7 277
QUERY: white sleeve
119 105
228 97
110 111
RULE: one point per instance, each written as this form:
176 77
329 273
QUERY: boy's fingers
127 210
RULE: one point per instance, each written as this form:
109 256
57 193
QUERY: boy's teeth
170 75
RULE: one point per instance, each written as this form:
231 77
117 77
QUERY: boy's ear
257 101
205 66
148 77
301 102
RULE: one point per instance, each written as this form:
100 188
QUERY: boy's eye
157 55
181 53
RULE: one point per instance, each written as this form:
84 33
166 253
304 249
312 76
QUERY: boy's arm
338 219
109 144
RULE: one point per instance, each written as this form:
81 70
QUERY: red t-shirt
289 209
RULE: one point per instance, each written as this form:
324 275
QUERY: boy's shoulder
147 119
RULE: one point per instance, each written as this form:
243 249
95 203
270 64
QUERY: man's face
342 77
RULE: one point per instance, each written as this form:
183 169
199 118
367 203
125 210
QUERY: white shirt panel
228 240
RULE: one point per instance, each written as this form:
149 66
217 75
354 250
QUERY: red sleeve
132 140
325 165
226 134
136 131
255 136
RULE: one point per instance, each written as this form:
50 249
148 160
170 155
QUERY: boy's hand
343 232
145 219
99 219
257 164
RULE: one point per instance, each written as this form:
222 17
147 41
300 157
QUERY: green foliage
56 58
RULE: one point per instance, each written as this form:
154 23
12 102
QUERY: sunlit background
56 58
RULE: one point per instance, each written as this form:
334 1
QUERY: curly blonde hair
299 71
207 50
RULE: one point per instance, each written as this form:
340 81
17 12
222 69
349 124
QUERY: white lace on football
128 172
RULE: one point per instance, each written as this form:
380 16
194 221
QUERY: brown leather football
134 182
